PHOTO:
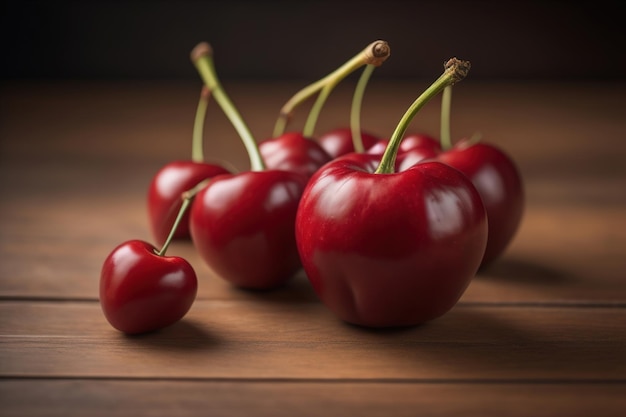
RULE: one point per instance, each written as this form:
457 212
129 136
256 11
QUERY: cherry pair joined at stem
299 151
343 140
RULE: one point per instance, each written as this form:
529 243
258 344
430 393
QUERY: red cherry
378 148
499 182
243 227
497 179
164 195
141 291
294 152
420 141
339 141
177 177
493 173
243 224
414 148
385 248
390 249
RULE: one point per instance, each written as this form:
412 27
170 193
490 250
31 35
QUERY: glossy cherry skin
339 141
165 192
414 148
243 227
421 142
386 250
141 291
499 182
293 152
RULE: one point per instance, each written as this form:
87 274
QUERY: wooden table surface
542 332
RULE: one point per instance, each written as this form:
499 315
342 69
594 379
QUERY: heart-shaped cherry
243 224
384 248
142 290
177 176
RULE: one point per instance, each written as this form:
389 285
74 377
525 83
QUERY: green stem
203 61
179 217
375 54
311 121
197 151
186 197
355 110
455 70
446 104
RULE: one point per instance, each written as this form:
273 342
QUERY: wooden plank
561 254
283 339
554 131
67 398
75 186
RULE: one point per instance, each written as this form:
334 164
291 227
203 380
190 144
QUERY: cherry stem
375 54
455 71
179 217
186 197
355 110
202 58
197 150
309 126
446 104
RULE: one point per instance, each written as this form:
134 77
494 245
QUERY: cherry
243 224
414 148
493 173
384 248
243 227
292 151
177 176
142 290
499 182
339 141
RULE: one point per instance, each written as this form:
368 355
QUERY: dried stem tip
200 50
377 52
457 68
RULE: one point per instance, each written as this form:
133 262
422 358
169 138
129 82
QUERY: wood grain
287 339
539 332
286 398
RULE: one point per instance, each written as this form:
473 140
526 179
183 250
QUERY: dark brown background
306 39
